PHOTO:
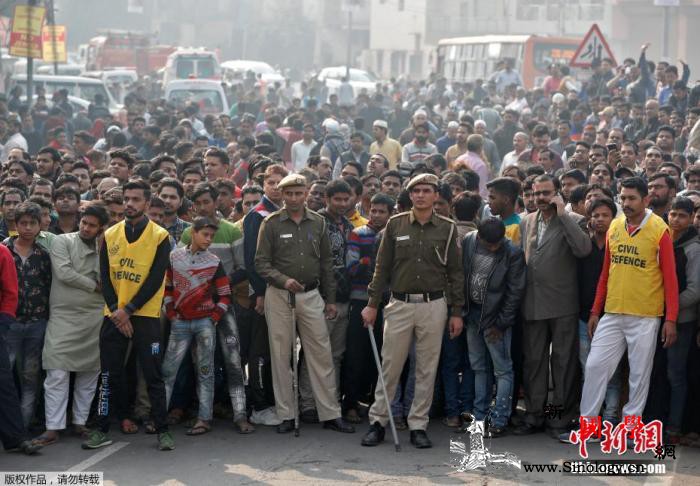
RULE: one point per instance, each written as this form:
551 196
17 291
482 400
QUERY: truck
126 50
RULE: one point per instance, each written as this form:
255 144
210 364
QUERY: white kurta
76 310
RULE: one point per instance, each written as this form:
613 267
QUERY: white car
359 79
78 104
118 81
191 63
78 86
207 93
236 70
63 69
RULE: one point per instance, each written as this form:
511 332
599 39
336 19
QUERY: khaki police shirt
299 251
410 260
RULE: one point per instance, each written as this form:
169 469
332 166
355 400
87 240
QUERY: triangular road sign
594 46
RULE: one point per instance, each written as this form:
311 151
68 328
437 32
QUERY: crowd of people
504 246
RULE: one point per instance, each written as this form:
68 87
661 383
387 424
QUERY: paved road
319 457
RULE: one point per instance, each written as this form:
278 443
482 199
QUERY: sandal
175 416
128 426
45 439
200 428
149 426
81 431
244 427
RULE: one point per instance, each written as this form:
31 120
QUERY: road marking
94 459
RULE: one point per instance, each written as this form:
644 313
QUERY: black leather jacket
506 284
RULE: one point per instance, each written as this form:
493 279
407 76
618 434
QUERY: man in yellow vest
133 260
637 286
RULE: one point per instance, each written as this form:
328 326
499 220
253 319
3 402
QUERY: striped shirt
227 244
192 281
362 246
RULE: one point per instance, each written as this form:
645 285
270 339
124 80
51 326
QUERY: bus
466 59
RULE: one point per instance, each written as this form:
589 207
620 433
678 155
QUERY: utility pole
667 5
51 20
349 54
30 60
666 29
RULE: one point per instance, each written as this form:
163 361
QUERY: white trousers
614 334
56 387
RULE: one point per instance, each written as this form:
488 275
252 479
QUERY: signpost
25 38
594 46
54 43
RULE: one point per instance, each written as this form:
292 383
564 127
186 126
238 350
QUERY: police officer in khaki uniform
294 256
419 261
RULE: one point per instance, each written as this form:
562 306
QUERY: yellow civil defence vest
130 263
635 281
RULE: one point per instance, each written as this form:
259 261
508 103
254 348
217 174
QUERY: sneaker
166 441
267 416
96 439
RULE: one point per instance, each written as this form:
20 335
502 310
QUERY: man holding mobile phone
614 156
552 240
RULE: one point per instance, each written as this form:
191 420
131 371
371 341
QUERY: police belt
418 298
311 286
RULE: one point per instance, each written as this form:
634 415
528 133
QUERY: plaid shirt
34 279
177 228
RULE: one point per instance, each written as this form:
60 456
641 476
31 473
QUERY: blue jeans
614 389
459 395
406 389
25 341
480 350
181 335
677 371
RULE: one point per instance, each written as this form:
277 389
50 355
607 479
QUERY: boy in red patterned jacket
197 294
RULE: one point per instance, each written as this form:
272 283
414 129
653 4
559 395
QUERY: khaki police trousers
311 326
402 322
337 333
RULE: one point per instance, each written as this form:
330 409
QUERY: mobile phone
611 147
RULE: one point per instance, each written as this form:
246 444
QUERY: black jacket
506 284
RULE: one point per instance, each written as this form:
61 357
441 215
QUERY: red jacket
8 283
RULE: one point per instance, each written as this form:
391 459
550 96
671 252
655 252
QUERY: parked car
359 79
118 81
78 86
63 69
234 72
207 93
191 63
78 104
